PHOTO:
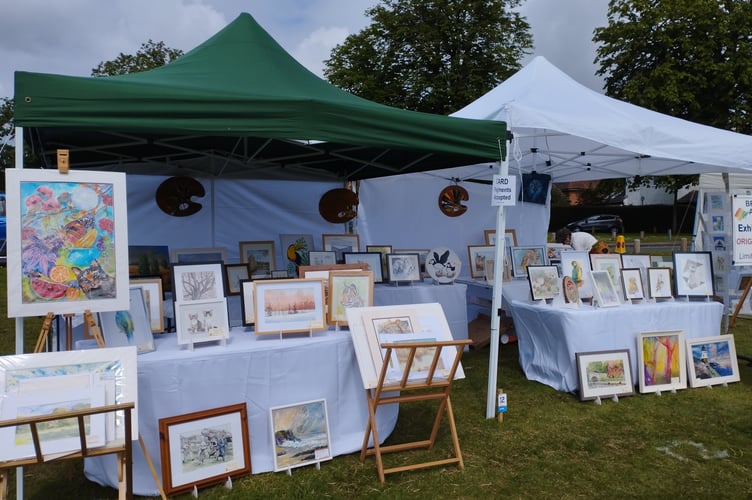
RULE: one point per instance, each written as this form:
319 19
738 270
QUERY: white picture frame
605 293
661 361
200 321
712 361
300 434
576 265
198 282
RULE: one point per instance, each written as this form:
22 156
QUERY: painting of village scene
604 373
300 434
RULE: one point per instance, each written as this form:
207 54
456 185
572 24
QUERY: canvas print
198 282
712 360
201 321
576 265
259 255
604 374
289 305
694 274
300 433
662 361
150 260
130 326
67 242
527 256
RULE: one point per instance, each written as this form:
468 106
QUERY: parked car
604 223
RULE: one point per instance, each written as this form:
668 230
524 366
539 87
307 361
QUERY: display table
261 371
550 336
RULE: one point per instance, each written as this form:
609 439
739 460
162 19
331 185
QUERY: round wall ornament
338 205
174 196
450 200
443 265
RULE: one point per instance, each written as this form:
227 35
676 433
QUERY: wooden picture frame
289 305
527 256
340 244
403 267
260 256
154 300
659 282
510 237
300 434
201 321
544 282
204 447
146 261
247 302
193 282
693 273
604 374
662 361
371 259
605 292
130 326
322 258
233 275
347 289
631 279
712 361
477 255
576 265
198 255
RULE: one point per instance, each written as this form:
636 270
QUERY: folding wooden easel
431 387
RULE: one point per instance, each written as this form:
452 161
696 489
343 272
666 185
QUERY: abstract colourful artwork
661 361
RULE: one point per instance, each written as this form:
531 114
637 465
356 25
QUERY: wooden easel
90 326
432 387
739 305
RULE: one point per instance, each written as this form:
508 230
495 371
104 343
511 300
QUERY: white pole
493 359
19 321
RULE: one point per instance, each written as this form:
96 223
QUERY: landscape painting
300 433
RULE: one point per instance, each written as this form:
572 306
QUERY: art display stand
90 325
411 389
732 319
123 450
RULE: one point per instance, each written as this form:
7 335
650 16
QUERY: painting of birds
124 322
297 255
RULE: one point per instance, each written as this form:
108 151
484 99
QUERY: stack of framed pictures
200 304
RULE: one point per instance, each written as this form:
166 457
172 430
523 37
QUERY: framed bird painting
131 327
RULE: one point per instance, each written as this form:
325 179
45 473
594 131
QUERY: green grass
693 443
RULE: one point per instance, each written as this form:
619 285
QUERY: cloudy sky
73 36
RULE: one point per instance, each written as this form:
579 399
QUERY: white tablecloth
549 336
263 372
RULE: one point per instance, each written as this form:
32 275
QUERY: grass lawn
694 443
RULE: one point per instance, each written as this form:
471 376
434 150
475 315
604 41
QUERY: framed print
305 271
544 282
348 289
154 300
477 255
526 256
201 321
384 250
300 433
67 242
489 236
605 293
340 244
694 274
403 267
322 257
422 256
553 251
510 237
641 262
280 273
576 265
259 255
247 302
632 282
611 263
296 250
198 255
371 259
661 361
197 282
712 361
717 223
233 273
204 447
150 260
659 282
604 374
130 326
286 306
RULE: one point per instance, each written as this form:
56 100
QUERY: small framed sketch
259 255
154 300
527 256
204 447
422 255
694 274
544 282
662 361
201 321
197 255
246 302
510 237
300 434
712 361
234 273
576 265
288 305
659 282
321 258
632 282
348 289
371 259
340 244
197 282
605 293
128 327
403 267
477 256
603 374
640 261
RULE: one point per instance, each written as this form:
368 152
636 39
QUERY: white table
550 336
261 371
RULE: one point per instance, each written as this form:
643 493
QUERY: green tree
7 134
433 56
151 55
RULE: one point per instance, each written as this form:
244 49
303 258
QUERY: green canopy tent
239 106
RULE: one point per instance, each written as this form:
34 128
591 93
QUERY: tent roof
570 132
240 101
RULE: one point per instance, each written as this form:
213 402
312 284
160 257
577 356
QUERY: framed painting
246 302
604 374
198 255
154 300
130 326
403 267
67 242
553 251
661 361
526 256
300 433
712 361
233 274
611 263
576 265
641 262
259 255
348 289
201 321
296 250
544 282
322 257
148 261
659 282
384 250
203 448
477 256
422 256
340 244
198 282
291 305
510 237
694 274
605 292
370 259
280 274
631 280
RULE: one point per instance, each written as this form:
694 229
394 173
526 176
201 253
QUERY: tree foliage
151 55
433 56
